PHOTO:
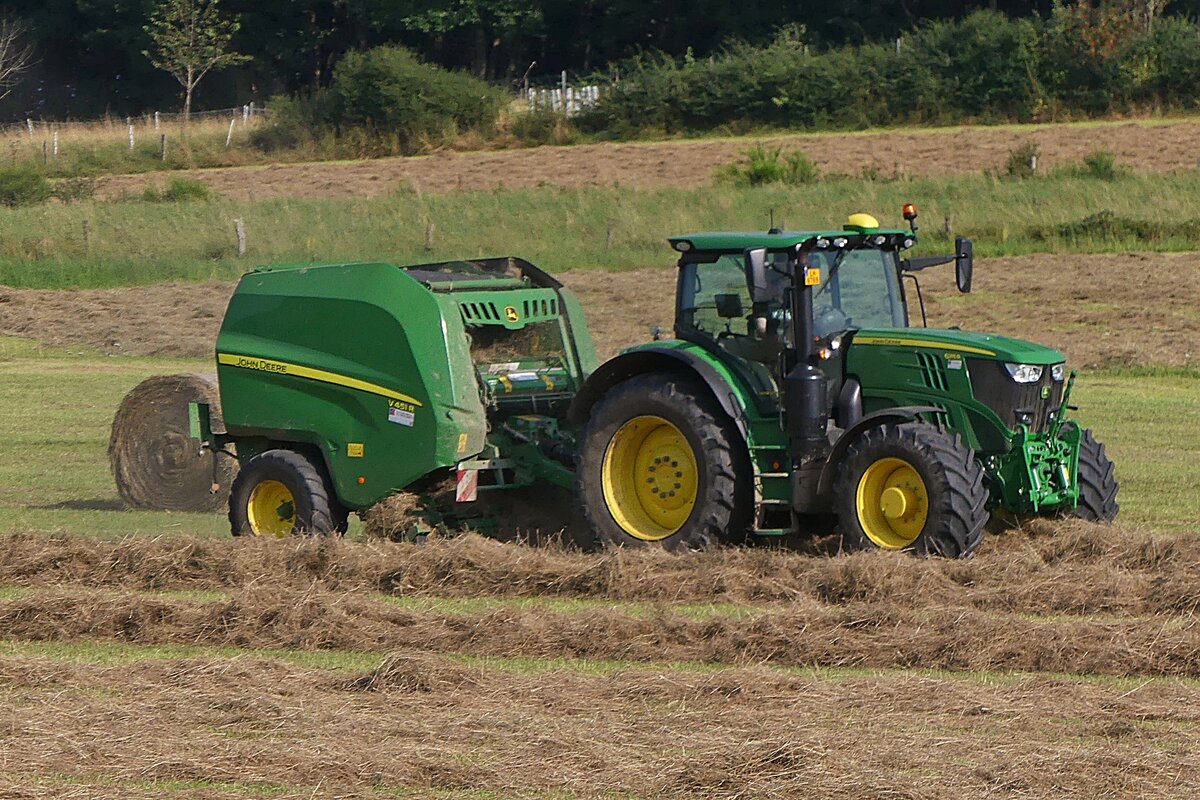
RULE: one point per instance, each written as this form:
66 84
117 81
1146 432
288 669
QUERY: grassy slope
56 409
135 242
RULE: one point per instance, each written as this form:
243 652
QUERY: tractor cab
737 290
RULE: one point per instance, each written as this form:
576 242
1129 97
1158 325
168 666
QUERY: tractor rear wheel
913 487
661 464
1097 482
279 493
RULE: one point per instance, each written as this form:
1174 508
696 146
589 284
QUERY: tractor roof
737 241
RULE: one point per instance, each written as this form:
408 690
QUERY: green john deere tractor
795 386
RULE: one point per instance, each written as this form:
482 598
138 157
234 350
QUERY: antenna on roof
773 229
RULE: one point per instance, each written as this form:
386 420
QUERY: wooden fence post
229 136
87 237
239 228
429 228
130 137
56 144
162 147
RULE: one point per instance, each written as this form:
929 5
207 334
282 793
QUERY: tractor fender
656 359
898 415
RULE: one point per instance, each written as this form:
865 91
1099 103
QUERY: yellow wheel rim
650 478
271 510
892 503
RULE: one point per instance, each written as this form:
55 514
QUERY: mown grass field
135 242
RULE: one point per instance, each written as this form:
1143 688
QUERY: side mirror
964 263
756 274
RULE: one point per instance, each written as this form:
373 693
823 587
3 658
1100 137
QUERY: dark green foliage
766 165
1100 165
384 101
982 66
1021 162
543 126
23 186
179 190
389 91
1105 225
985 67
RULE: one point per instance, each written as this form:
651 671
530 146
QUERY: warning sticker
401 416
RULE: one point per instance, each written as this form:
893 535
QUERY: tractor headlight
1058 372
840 242
1025 373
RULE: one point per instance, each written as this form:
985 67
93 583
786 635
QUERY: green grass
56 410
135 242
1146 419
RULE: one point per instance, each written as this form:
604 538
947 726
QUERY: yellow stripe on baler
299 371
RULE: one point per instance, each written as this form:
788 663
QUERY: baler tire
314 512
722 507
1097 482
950 476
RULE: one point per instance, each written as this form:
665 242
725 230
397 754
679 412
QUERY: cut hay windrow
805 633
154 460
1047 568
422 726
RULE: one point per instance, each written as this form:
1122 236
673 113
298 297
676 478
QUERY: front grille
993 386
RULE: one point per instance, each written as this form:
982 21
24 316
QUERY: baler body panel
359 361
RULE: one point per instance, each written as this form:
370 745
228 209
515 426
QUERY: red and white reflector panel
467 490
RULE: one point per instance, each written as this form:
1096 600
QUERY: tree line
90 56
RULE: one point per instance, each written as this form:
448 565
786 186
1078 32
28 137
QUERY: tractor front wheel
660 464
1097 482
279 493
913 487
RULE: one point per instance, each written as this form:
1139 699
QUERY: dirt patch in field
423 727
1146 148
1085 305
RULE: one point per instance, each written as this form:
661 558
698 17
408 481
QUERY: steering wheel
830 320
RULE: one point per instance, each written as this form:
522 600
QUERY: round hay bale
155 461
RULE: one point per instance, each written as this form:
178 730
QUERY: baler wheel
661 464
912 487
279 493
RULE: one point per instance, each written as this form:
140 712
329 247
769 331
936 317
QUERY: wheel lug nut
678 486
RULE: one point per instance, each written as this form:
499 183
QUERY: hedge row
986 67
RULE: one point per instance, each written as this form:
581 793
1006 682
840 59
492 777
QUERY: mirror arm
925 262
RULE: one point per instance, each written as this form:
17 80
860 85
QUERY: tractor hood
964 343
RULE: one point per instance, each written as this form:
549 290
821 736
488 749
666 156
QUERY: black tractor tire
1097 482
305 493
723 502
955 505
